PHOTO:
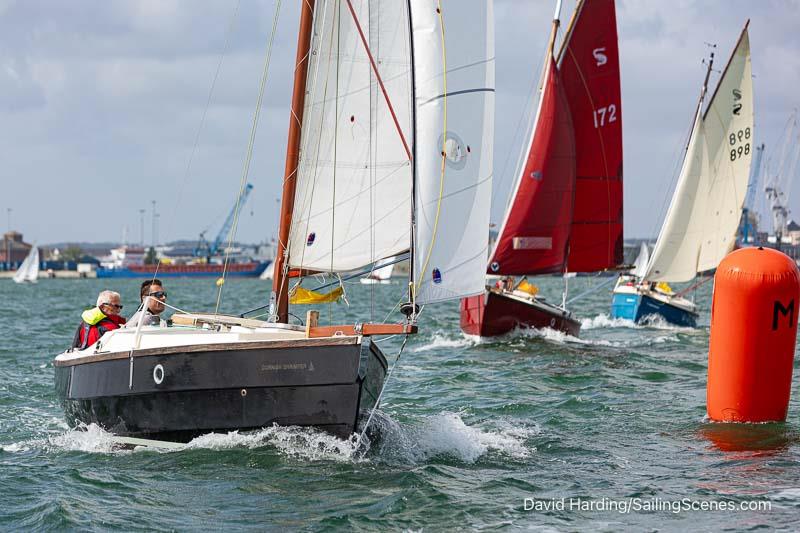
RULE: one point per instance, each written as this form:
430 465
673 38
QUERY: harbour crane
208 250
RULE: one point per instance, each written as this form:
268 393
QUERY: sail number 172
605 115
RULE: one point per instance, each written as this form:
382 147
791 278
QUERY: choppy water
467 431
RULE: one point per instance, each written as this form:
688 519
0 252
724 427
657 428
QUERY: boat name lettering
285 366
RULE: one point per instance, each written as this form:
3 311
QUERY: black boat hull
179 394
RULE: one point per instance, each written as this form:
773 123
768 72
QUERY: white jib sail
29 269
640 264
700 226
353 197
454 79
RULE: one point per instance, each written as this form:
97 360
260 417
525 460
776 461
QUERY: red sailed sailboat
566 212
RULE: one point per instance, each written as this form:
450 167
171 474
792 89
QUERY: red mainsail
589 68
536 233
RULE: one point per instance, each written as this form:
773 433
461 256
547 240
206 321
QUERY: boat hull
493 313
178 395
637 307
185 271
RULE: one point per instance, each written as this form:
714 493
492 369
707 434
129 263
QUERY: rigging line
380 80
193 152
703 281
592 289
249 155
525 112
421 273
380 394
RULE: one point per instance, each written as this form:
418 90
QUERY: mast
279 300
410 309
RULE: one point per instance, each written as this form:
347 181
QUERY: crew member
96 321
155 305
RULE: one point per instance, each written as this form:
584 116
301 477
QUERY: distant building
13 249
793 232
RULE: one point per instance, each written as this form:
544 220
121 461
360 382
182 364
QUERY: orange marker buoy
753 331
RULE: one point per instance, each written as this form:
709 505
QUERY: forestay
700 226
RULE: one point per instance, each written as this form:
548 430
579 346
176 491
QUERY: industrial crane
746 227
203 248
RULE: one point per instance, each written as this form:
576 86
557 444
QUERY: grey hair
105 297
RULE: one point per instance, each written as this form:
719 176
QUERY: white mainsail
701 223
29 269
353 197
354 183
454 81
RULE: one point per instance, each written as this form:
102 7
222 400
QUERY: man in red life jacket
98 320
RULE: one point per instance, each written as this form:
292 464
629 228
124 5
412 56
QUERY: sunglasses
115 306
159 294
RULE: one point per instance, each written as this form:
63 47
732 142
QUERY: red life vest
88 334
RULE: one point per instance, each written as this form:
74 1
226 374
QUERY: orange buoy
753 331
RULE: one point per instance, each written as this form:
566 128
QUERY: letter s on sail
600 56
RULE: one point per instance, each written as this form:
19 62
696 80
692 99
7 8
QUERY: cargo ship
128 262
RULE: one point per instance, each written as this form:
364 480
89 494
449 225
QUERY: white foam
559 337
91 439
604 321
292 441
441 340
446 434
656 321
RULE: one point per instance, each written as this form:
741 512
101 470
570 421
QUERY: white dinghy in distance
703 217
28 271
379 275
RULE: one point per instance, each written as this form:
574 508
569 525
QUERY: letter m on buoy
779 309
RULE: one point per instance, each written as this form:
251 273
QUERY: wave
441 435
442 340
603 321
447 435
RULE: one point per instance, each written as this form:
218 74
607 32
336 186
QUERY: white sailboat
389 152
379 275
701 223
28 271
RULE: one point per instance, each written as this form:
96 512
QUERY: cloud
101 102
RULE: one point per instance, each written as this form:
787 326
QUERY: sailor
96 321
155 305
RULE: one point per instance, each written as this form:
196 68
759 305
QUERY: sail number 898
739 136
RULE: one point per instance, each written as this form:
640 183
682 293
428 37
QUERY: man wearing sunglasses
155 306
98 320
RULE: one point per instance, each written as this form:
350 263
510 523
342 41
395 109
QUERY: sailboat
378 275
28 271
700 226
565 215
389 152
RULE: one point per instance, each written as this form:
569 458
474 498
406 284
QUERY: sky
101 103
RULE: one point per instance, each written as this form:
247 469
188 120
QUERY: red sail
535 235
589 67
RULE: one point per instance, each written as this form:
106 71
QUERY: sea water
533 430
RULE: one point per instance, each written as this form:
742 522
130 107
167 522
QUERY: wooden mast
280 283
